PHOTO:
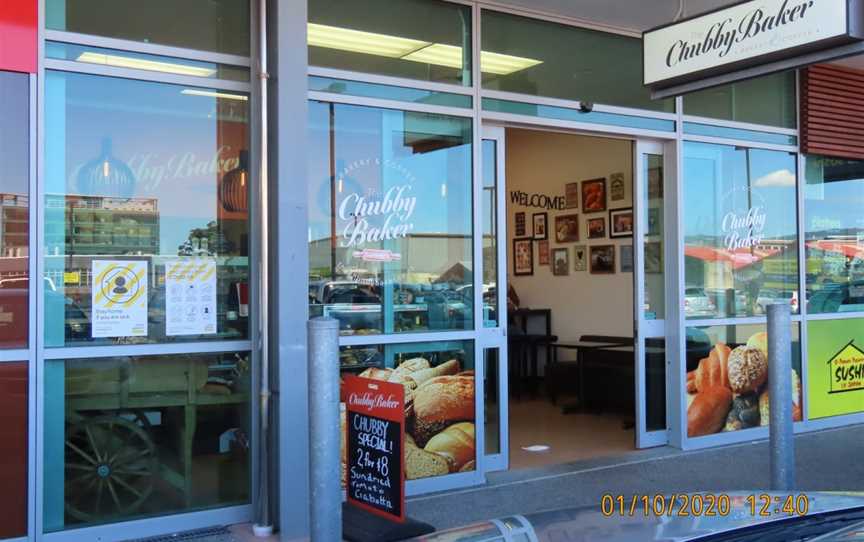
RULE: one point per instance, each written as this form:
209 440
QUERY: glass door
492 296
651 303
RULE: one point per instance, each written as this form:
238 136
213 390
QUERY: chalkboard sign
375 427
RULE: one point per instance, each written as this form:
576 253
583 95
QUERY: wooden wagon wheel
111 467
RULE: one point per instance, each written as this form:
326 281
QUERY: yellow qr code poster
119 298
190 297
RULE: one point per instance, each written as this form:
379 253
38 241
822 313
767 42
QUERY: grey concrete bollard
782 440
325 478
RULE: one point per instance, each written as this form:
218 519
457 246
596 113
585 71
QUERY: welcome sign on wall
747 34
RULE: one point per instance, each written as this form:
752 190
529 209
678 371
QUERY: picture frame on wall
594 195
540 226
617 188
597 228
580 258
571 195
542 252
520 225
560 262
567 228
626 258
523 257
654 257
602 259
621 223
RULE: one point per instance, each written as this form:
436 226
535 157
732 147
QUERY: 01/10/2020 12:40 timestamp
704 504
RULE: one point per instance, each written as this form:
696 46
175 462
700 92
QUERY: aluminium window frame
40 355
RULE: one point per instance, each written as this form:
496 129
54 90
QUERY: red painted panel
18 20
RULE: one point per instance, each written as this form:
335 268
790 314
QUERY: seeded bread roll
441 402
748 369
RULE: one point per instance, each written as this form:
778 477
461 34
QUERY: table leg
576 405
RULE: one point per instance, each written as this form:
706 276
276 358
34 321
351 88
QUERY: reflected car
698 304
769 297
836 517
77 325
848 297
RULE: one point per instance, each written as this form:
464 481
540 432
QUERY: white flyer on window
190 296
119 295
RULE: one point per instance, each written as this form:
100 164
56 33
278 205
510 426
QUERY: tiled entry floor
571 437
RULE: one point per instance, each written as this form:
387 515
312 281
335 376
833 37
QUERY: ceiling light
144 64
214 94
438 54
356 41
499 64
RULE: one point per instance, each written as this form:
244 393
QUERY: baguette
441 402
708 411
417 378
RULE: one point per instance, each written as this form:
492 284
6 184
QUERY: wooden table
526 347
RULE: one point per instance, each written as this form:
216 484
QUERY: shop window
835 365
834 226
439 439
132 437
768 100
540 58
736 398
428 40
390 220
146 212
13 449
14 209
220 26
740 231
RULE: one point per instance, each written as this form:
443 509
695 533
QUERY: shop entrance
584 251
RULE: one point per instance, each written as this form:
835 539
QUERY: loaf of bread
408 367
469 466
708 411
422 464
765 402
417 378
456 444
748 369
376 374
712 371
441 402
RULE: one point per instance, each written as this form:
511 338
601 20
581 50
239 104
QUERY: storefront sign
540 201
744 231
18 21
836 367
119 297
190 297
745 35
375 443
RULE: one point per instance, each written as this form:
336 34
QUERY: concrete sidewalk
825 460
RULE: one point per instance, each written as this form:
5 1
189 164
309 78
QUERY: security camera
586 107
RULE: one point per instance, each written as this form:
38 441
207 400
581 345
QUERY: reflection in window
834 226
741 252
146 212
14 209
438 441
13 449
390 220
416 39
221 26
132 437
490 233
768 100
541 58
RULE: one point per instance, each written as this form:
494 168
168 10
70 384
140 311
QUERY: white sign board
119 296
190 296
740 33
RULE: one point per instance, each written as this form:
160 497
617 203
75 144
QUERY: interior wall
539 162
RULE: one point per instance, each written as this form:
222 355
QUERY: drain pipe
264 525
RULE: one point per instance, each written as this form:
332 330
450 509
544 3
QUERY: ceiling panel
628 14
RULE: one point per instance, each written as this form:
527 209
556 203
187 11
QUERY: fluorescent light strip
143 64
214 94
356 41
439 54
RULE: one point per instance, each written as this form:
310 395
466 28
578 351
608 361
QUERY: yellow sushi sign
835 367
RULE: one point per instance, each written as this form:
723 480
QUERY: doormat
361 526
210 534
